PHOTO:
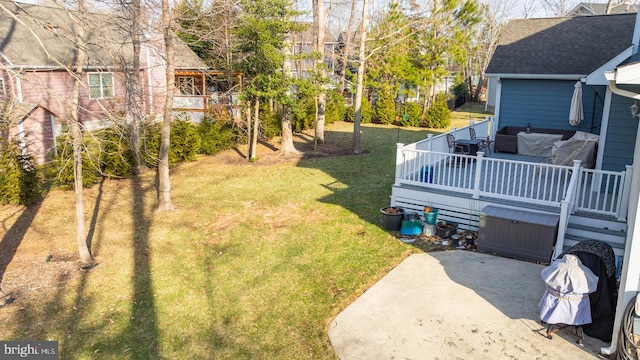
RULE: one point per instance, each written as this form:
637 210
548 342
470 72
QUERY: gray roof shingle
43 37
561 46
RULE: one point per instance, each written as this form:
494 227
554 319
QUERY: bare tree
287 146
319 24
131 68
344 56
609 7
357 146
557 7
76 133
164 183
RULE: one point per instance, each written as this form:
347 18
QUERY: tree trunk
478 90
164 183
135 96
319 29
76 132
256 123
609 7
287 146
357 146
248 112
347 45
425 103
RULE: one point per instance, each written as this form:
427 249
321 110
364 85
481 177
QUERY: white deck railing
592 191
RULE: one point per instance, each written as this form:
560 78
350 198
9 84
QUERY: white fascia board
628 74
597 77
538 76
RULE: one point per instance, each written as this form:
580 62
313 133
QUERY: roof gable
561 46
35 36
588 9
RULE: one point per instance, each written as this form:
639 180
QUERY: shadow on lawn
141 334
13 237
58 321
363 182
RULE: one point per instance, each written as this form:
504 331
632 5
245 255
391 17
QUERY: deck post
623 209
476 181
399 158
562 228
430 141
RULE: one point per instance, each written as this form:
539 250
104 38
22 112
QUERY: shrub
410 114
365 112
150 143
385 108
335 109
215 135
64 163
184 142
271 124
19 178
303 113
116 157
438 115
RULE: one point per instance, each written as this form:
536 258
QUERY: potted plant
392 217
430 215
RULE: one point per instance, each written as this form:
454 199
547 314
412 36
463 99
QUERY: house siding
621 135
57 97
546 103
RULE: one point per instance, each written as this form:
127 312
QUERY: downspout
149 81
625 93
496 111
630 269
23 143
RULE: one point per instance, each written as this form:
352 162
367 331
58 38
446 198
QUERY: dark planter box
445 231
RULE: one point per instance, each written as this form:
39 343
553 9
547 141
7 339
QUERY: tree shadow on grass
14 235
363 182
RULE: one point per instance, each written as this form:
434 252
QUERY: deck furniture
472 145
484 145
537 144
457 148
507 137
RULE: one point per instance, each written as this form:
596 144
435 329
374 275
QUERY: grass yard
254 263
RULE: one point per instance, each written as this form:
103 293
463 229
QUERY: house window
2 91
100 85
187 86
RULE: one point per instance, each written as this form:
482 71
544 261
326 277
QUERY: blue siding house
534 70
537 66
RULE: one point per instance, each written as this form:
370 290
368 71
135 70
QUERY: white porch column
631 264
399 161
476 181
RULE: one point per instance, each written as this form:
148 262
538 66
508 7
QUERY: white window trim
102 85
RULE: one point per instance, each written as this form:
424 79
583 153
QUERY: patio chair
455 148
484 145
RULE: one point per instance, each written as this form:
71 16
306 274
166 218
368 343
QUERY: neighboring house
37 57
303 46
537 65
590 9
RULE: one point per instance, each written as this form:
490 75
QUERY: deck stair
584 227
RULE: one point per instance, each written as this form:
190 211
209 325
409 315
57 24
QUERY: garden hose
626 349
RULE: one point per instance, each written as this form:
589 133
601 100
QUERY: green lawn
254 263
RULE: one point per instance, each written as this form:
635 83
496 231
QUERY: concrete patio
454 305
